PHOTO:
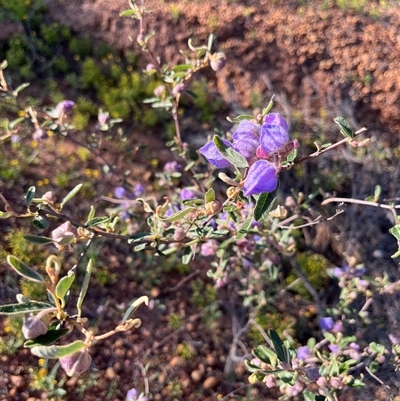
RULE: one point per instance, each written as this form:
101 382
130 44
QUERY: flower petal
212 154
260 178
246 138
276 119
273 138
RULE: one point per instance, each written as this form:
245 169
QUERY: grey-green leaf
209 196
70 195
230 154
178 215
244 229
24 270
23 308
38 240
58 351
345 128
85 285
64 285
96 221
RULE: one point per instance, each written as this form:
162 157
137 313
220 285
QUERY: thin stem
320 152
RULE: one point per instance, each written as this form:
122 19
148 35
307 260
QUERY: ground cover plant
229 209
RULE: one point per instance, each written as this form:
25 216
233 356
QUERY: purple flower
326 323
186 194
213 155
138 190
246 138
65 107
39 135
103 117
333 348
337 327
120 192
172 167
159 90
303 353
348 272
394 339
209 248
132 395
178 89
262 177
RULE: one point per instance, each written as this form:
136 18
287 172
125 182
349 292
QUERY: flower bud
103 117
159 90
336 382
179 234
48 197
270 381
39 135
33 327
140 40
76 363
178 89
218 61
64 234
65 107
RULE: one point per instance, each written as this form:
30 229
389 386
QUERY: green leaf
218 234
70 195
20 88
3 65
269 107
29 196
244 229
46 339
15 122
209 196
63 286
135 304
137 237
130 13
85 286
345 128
264 204
182 67
40 223
278 345
24 270
230 154
291 156
192 202
38 240
237 119
187 255
92 212
23 308
96 221
178 215
264 354
58 351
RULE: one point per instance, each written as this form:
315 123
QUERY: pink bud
179 234
218 61
76 363
33 327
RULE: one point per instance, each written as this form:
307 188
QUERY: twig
182 282
312 223
320 152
